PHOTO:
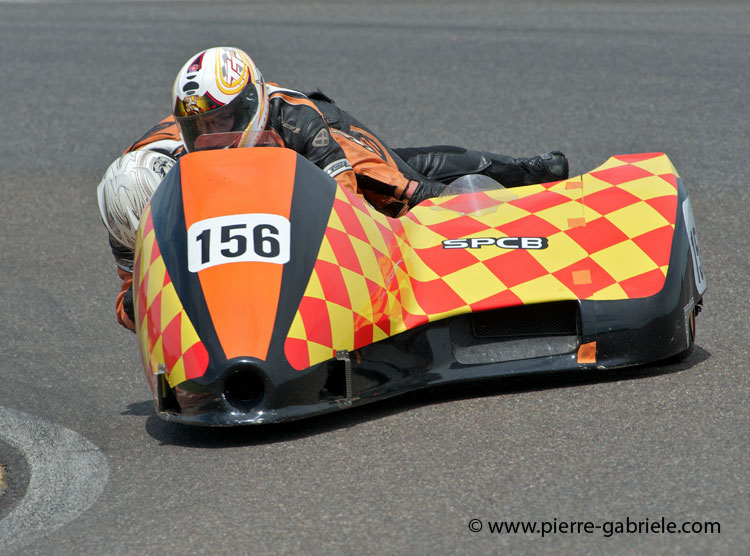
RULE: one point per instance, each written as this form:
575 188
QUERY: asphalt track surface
81 80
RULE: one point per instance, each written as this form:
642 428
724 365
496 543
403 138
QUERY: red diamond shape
621 174
171 339
316 320
332 282
154 318
343 249
657 244
413 321
503 299
610 200
666 206
671 179
645 285
515 267
349 219
470 202
436 296
195 360
528 226
637 157
596 235
155 253
445 261
363 333
148 225
459 227
296 353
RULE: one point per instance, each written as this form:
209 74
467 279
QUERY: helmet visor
231 117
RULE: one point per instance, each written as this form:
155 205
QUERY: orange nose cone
237 240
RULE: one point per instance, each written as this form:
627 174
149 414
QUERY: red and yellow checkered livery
167 338
609 234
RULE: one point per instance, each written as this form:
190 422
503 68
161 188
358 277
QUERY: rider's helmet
219 90
125 190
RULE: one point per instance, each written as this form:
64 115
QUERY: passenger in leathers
392 180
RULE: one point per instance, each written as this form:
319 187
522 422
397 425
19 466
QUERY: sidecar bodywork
264 292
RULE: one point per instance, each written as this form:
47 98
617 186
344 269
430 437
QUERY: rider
220 90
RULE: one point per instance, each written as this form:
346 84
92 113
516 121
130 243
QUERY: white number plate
700 277
238 238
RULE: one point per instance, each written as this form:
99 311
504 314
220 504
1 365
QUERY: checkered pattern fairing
165 333
609 235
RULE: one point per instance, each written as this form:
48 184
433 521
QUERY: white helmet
125 190
219 90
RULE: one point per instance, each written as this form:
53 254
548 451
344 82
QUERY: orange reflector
587 353
576 222
581 277
574 185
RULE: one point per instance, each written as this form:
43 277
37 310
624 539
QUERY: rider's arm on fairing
303 129
164 137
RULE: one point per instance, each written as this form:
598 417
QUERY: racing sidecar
257 308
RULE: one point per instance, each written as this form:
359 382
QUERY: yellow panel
368 261
648 188
297 330
177 373
374 235
572 188
505 214
416 268
314 287
657 166
562 252
542 289
170 305
612 292
359 294
593 185
431 215
420 237
560 215
342 326
147 247
624 260
335 223
326 252
610 163
637 219
378 334
155 279
318 352
157 354
472 283
408 301
590 214
188 335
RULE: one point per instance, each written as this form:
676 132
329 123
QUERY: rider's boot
513 172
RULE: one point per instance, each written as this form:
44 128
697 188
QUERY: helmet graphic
219 90
126 188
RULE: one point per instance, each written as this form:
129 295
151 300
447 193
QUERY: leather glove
127 304
426 190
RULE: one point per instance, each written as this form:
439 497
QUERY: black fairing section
168 216
206 397
626 332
